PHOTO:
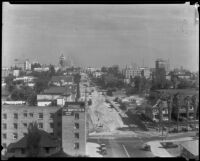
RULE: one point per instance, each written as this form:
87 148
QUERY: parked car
103 149
147 147
169 145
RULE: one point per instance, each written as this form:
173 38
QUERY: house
41 69
48 144
61 80
190 149
26 79
58 94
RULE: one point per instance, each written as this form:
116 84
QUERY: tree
52 70
33 140
35 65
40 85
104 69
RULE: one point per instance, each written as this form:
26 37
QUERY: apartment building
67 123
130 71
61 80
74 129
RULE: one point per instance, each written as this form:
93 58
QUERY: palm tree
187 102
33 140
169 103
176 107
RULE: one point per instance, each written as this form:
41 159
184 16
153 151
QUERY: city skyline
100 35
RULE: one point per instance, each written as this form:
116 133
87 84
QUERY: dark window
15 136
41 115
15 116
51 125
31 114
15 126
4 136
4 116
25 124
59 113
59 134
47 149
23 151
24 134
76 125
31 124
25 114
40 125
4 126
76 146
59 124
76 135
51 115
76 116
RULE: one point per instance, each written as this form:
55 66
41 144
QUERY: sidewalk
91 150
158 150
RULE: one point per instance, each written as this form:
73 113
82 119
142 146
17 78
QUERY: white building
131 71
16 72
27 65
25 79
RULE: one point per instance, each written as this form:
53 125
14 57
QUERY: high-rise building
74 129
62 62
161 63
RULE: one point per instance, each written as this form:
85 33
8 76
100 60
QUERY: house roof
57 90
60 153
46 140
181 91
4 92
59 78
192 147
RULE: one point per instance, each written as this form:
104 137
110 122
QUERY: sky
101 35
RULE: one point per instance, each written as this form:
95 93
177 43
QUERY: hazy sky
97 35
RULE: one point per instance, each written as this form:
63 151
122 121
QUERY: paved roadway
124 147
129 146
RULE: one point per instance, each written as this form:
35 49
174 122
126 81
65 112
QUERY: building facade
70 128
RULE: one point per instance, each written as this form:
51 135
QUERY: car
169 145
147 147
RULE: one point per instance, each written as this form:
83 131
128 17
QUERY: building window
24 134
76 135
47 149
4 126
76 146
25 114
4 145
15 116
4 116
40 125
41 115
51 125
59 124
76 125
51 115
5 136
31 124
76 116
31 114
23 151
15 136
15 126
25 124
